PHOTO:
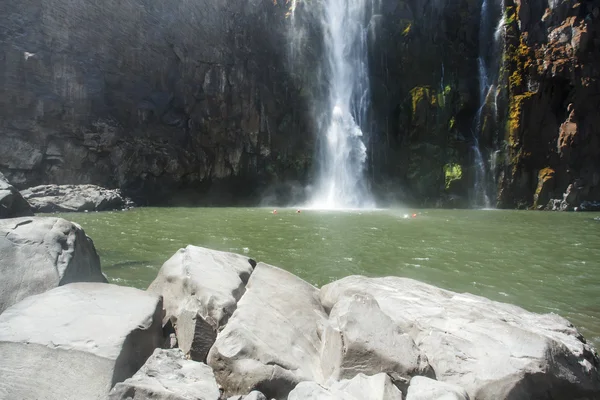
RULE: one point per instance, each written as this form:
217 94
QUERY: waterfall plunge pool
542 261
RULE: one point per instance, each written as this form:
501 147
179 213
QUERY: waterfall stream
488 69
342 157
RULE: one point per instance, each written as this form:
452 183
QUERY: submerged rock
39 254
74 198
167 375
76 341
493 350
271 342
201 288
12 203
361 387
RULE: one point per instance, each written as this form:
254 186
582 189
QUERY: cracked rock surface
76 341
38 254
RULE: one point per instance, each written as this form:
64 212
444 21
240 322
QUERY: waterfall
342 155
488 69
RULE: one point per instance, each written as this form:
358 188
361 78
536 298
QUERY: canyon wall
167 100
202 102
552 64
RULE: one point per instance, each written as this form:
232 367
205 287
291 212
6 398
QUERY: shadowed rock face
150 96
12 203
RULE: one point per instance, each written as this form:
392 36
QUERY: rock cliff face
552 60
197 101
425 86
153 97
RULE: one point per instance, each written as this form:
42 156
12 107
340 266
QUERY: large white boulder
167 375
271 341
492 350
12 203
76 341
361 338
38 254
361 387
422 388
201 288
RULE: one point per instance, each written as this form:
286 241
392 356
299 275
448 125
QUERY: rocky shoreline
217 325
87 198
59 198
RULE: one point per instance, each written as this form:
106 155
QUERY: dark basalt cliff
201 102
155 97
552 61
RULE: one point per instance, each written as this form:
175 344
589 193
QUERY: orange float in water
414 215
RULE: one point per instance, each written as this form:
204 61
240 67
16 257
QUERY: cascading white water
343 154
489 38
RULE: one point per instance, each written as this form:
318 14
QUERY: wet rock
363 339
201 288
12 203
76 341
361 387
74 198
167 375
422 388
492 350
38 254
272 340
556 205
589 206
546 184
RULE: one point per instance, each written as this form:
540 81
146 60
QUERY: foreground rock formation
167 375
74 198
201 288
12 203
271 335
492 350
39 254
376 387
271 343
76 341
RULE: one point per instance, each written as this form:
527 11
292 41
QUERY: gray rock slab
39 254
271 342
12 203
76 341
74 198
493 350
369 342
423 388
201 288
361 387
254 395
167 375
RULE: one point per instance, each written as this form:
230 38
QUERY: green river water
542 261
